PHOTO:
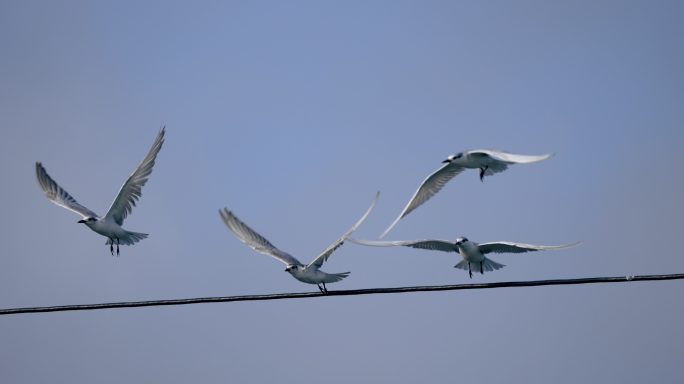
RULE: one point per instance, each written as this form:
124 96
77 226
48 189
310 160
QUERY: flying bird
486 161
110 224
310 273
473 254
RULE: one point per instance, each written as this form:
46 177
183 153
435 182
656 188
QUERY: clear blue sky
293 115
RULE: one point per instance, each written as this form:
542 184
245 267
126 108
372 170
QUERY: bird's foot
481 269
117 246
111 247
326 289
470 271
321 289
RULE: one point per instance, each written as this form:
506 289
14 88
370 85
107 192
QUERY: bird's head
453 157
87 220
291 268
461 240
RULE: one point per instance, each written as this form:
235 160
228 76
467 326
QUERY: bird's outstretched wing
508 247
431 244
254 240
512 157
132 188
318 262
58 195
433 184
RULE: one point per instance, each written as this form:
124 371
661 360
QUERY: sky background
293 115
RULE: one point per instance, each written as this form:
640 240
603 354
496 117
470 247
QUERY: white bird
487 161
473 254
110 224
311 273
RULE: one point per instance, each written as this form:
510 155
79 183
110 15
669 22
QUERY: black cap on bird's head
453 157
289 267
87 219
461 240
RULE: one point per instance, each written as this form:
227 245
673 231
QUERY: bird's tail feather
335 277
130 238
488 265
496 167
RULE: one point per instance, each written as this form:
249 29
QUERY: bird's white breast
470 252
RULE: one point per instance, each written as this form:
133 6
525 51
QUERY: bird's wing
512 157
254 240
429 188
318 262
58 195
132 188
508 247
431 244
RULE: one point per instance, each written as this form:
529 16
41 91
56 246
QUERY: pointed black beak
81 221
458 243
446 161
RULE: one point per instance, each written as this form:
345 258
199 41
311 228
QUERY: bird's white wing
58 195
431 244
508 247
512 157
433 184
254 240
318 262
132 188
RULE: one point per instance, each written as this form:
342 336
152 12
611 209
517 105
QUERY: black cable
343 293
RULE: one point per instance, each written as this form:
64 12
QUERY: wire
342 293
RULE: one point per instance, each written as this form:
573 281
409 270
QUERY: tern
473 254
486 161
311 273
110 224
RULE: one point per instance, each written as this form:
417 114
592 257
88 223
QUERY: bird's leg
117 246
111 246
326 289
482 172
321 289
481 269
469 271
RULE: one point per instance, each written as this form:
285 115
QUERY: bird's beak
446 161
82 221
458 243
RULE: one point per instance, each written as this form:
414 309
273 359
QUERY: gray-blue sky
293 114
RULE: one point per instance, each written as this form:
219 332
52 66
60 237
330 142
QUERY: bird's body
486 161
473 254
110 229
306 273
110 224
314 275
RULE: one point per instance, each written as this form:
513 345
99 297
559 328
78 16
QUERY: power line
343 293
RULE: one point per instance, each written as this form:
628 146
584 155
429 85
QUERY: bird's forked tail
130 239
488 265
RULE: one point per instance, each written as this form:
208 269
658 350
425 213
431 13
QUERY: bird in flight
473 254
310 273
110 224
486 161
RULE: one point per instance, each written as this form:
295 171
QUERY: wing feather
58 195
131 191
318 262
512 157
254 240
429 244
508 247
433 184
